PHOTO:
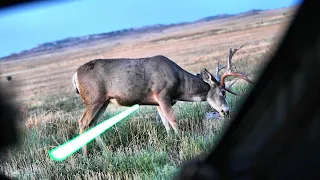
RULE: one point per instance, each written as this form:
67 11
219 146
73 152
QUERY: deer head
216 97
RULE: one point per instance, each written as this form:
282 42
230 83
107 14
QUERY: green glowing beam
63 151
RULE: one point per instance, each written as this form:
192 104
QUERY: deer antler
229 72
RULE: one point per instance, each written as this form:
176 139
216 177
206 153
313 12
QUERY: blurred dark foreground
9 115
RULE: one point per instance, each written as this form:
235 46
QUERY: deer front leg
167 110
164 120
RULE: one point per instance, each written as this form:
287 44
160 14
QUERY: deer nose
225 110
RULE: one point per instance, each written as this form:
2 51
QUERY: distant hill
76 41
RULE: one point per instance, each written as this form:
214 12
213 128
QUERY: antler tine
218 69
231 92
231 53
228 88
229 70
217 72
231 84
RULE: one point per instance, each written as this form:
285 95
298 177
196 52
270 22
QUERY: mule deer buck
156 81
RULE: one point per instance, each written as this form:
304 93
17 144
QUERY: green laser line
63 151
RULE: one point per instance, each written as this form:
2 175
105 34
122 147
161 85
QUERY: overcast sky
25 27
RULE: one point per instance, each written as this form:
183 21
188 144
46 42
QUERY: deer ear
206 76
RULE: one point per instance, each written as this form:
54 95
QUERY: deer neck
193 88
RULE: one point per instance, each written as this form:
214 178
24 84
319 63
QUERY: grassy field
138 147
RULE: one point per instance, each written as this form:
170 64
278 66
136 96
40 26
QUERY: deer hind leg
95 121
167 110
89 117
164 120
